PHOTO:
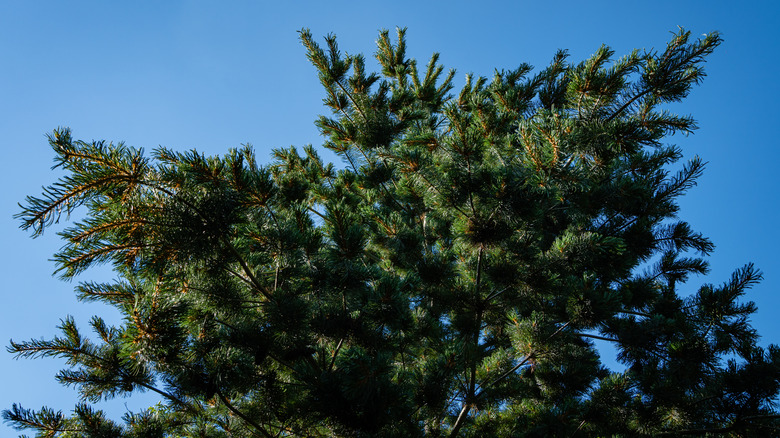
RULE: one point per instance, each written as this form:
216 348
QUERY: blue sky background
200 75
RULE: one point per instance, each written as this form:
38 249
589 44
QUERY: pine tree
450 280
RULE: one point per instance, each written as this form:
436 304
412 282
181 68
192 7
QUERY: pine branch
64 197
46 421
245 267
528 357
696 54
721 430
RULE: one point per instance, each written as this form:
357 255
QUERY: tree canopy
449 280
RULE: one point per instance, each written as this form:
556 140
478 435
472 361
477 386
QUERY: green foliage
449 281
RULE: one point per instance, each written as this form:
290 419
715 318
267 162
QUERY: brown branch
471 392
601 338
241 415
335 353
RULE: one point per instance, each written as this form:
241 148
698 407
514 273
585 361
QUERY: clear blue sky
196 75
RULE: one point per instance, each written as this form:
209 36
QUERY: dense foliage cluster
449 281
